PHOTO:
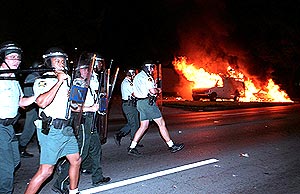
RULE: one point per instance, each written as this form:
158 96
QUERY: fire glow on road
148 176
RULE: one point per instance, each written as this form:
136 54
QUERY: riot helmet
148 67
131 72
99 62
55 52
86 59
84 62
9 47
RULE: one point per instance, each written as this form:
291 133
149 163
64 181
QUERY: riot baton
20 71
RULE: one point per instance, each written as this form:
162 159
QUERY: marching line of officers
60 135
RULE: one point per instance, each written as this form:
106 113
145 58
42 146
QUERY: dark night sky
265 33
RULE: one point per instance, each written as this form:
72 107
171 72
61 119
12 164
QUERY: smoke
206 33
202 35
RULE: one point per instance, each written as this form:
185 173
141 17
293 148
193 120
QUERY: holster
132 101
152 99
46 121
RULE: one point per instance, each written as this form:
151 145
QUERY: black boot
24 153
118 136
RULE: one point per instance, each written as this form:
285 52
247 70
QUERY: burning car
232 88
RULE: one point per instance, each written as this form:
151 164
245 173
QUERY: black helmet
9 47
147 66
99 62
86 59
54 52
130 71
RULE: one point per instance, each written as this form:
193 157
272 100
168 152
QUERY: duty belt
142 98
87 114
7 122
59 123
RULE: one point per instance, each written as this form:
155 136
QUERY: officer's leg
126 129
95 153
28 131
140 132
43 173
162 128
87 165
6 160
134 122
62 179
75 162
84 139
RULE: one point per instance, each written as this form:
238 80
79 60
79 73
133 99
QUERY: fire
191 73
200 78
274 90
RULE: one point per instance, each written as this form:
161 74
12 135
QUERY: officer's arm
46 98
26 101
155 91
93 108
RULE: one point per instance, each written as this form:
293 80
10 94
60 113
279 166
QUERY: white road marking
147 176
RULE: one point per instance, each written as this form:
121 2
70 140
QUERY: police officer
11 99
55 135
128 107
88 137
146 91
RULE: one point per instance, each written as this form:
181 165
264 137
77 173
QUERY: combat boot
61 188
176 147
118 136
24 153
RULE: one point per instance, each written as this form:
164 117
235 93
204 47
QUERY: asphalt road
253 150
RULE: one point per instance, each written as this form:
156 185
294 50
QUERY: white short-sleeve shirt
142 83
126 88
58 107
11 92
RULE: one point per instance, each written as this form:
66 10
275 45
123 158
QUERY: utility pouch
46 121
59 123
68 131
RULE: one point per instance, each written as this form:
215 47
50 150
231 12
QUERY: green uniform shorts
147 111
55 145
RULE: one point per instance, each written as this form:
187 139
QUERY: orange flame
191 73
199 78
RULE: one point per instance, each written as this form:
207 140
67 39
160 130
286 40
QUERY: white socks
74 191
170 143
133 144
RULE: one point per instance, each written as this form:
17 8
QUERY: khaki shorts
148 112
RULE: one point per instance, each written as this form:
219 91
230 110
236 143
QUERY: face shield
149 68
84 66
56 58
10 51
99 64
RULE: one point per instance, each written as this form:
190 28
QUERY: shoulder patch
42 83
